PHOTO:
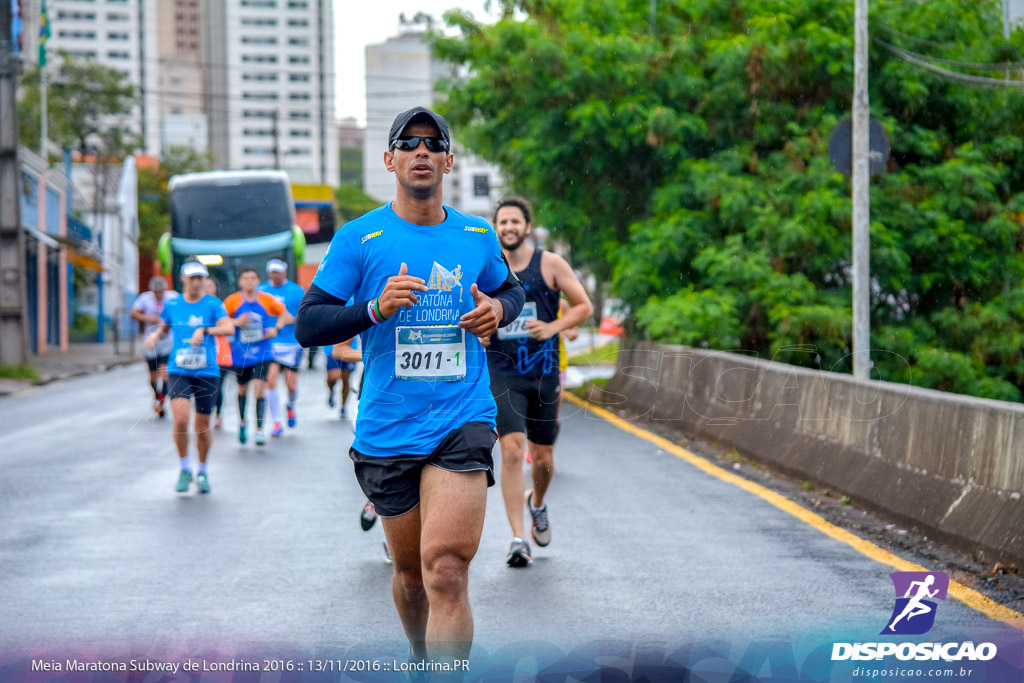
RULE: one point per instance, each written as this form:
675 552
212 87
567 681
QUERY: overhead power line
924 62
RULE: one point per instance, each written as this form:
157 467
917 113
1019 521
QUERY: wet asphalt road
99 554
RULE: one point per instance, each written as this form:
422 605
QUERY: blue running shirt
424 376
184 318
290 294
249 346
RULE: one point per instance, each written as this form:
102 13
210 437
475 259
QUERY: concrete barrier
951 465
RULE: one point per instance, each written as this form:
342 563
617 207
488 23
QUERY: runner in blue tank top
426 281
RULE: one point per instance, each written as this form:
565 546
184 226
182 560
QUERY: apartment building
116 33
400 74
269 86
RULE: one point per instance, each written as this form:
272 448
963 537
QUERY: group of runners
195 341
461 322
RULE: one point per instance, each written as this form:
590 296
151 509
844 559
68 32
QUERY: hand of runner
540 330
485 341
400 292
483 320
269 332
151 341
243 320
197 337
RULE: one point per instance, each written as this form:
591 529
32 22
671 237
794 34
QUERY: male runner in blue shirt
287 352
191 319
426 281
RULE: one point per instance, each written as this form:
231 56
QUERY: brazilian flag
44 33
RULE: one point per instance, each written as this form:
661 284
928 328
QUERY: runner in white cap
192 321
287 354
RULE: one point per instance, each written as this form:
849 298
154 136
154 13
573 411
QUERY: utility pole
13 302
277 142
654 17
1006 19
861 197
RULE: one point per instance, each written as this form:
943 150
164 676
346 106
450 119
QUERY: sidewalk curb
22 385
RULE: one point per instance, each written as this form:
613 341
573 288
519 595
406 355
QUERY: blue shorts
335 364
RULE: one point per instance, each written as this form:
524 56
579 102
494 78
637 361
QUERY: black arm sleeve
512 297
324 319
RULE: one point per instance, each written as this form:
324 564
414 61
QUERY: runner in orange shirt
223 359
251 349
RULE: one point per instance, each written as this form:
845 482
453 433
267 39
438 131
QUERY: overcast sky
358 23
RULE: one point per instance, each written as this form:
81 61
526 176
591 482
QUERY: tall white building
1015 11
117 33
400 74
270 86
180 76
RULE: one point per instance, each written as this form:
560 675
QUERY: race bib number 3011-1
434 353
517 328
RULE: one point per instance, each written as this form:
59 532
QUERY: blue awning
79 231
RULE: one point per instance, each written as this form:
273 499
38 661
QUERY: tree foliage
690 165
88 105
353 203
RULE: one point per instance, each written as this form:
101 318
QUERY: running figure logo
445 280
914 612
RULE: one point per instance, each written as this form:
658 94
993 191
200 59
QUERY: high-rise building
1015 11
180 77
269 86
116 33
400 74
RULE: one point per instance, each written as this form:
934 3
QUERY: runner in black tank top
523 362
512 349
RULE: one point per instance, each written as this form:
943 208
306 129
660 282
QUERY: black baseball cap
418 115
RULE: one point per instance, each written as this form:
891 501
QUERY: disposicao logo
917 598
918 595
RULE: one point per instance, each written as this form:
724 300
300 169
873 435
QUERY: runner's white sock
186 463
292 396
202 466
275 405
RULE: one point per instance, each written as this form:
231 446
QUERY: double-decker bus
230 220
315 211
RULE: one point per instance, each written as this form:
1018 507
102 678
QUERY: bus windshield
227 212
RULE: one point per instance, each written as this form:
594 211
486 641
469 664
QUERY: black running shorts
527 405
251 372
156 363
202 389
393 483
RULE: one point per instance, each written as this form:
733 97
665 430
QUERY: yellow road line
968 596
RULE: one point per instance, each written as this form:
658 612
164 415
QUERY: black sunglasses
413 143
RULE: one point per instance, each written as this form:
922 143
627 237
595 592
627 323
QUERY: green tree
567 102
693 162
154 206
87 107
350 166
353 203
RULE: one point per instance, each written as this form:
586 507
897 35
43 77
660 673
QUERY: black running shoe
368 517
519 553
